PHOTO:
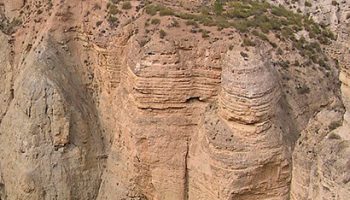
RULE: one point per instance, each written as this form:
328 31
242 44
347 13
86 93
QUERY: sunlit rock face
12 8
239 142
96 107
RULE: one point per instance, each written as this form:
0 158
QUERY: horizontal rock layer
91 112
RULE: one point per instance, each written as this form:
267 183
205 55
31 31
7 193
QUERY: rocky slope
320 159
158 100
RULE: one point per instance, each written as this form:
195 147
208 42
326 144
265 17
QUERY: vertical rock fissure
8 106
186 172
2 188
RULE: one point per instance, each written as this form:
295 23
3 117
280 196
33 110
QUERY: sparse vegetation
218 7
279 51
308 4
126 5
143 42
154 9
9 27
205 33
175 23
284 64
98 23
162 34
192 23
114 1
96 6
50 4
333 136
155 21
113 9
262 36
244 55
112 12
248 42
259 18
303 89
334 125
113 21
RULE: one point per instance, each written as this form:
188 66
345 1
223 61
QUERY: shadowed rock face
46 142
95 110
321 154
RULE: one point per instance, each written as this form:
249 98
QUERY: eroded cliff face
96 107
320 158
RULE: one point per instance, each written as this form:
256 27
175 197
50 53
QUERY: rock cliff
320 158
174 100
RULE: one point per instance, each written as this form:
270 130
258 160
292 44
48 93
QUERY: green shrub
98 23
114 1
329 34
304 89
259 18
96 6
205 10
175 23
333 136
155 21
284 64
126 5
334 125
237 13
281 12
323 64
242 26
152 9
222 22
10 27
308 4
244 55
279 51
205 33
165 12
113 9
143 42
248 42
192 23
274 45
262 36
162 34
112 20
218 7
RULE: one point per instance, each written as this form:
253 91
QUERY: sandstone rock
12 7
95 110
319 159
243 147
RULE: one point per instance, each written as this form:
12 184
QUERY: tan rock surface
92 108
243 154
320 159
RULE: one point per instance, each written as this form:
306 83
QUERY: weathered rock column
240 147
